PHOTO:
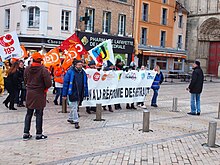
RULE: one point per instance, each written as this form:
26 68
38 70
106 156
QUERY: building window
179 42
7 18
123 0
65 20
90 22
106 22
145 12
164 16
121 24
162 62
178 64
180 23
143 40
164 1
34 17
163 39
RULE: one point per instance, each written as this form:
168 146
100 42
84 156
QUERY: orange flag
52 58
24 52
70 55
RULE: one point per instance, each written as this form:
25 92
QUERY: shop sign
120 44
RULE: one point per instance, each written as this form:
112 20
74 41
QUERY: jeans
58 94
20 95
73 115
39 121
17 93
154 98
195 103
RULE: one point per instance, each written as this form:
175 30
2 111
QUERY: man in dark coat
75 85
37 80
195 88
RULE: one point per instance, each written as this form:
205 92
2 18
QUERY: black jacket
196 83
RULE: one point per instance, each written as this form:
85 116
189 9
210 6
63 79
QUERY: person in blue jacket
75 85
156 85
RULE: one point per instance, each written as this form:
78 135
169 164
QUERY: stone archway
209 44
210 30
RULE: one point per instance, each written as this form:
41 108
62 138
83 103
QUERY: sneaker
132 107
104 108
143 106
77 125
190 113
88 111
128 107
70 121
22 105
55 102
154 105
27 137
41 137
198 113
13 108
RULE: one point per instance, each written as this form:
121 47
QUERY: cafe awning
164 54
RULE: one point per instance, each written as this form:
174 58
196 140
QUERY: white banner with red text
113 87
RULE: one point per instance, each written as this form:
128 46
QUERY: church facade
203 34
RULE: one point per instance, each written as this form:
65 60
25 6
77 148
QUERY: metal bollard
99 113
174 109
64 105
219 111
212 134
146 121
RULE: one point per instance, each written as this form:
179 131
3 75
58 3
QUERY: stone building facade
160 30
99 20
203 33
40 25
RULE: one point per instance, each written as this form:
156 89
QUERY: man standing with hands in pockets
75 85
195 88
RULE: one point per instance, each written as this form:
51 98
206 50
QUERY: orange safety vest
58 75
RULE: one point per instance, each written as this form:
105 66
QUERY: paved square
177 138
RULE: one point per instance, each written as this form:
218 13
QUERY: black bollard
64 105
99 113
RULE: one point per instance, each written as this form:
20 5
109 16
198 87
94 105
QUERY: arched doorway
209 39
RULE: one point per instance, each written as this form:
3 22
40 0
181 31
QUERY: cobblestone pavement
177 138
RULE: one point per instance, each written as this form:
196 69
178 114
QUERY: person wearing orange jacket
58 78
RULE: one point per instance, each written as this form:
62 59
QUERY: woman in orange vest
58 78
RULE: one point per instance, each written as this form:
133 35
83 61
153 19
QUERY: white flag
103 53
10 46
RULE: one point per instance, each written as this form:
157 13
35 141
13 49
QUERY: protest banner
113 87
10 46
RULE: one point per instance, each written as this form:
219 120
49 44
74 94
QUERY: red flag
74 41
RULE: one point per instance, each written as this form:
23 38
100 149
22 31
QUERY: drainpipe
77 14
